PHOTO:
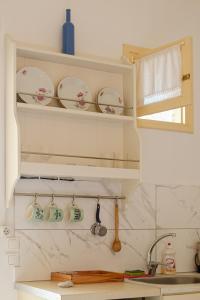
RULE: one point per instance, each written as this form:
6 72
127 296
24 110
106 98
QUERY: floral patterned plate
34 81
74 89
108 97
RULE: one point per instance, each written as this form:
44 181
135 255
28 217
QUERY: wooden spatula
116 246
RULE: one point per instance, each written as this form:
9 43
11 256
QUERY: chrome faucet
152 265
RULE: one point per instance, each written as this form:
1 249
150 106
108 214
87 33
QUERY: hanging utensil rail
70 196
72 100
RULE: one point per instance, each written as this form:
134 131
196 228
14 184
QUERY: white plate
74 89
35 81
108 97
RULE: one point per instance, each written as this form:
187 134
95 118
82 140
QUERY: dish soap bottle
168 260
68 34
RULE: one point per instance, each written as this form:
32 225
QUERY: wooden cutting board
96 276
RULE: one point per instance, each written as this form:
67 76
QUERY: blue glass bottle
68 34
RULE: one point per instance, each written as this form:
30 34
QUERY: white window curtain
159 76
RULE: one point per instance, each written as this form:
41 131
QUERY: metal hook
35 199
116 199
98 199
52 199
73 200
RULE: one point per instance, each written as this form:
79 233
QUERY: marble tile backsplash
151 211
45 251
178 207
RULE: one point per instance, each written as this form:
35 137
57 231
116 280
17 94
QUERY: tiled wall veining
151 211
178 210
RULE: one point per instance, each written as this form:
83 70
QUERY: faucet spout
152 266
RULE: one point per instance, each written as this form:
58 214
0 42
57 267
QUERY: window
163 85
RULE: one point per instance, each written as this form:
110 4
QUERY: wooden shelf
23 107
45 169
38 128
73 60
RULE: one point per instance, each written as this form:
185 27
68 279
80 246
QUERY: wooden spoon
116 246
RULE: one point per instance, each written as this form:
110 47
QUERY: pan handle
98 214
196 259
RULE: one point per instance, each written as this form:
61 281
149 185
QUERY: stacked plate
109 101
35 87
31 80
71 88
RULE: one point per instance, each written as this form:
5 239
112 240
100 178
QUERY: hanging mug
34 211
76 214
53 213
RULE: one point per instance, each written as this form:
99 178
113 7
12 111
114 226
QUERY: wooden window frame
133 54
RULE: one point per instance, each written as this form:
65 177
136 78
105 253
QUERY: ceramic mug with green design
53 213
76 214
35 212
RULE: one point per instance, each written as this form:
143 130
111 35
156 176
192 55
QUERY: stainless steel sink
169 280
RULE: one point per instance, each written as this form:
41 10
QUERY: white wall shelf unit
81 144
23 107
60 170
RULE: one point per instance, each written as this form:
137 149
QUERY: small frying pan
97 228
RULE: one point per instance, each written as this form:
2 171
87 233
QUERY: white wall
101 28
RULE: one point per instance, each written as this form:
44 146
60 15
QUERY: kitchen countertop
98 291
104 291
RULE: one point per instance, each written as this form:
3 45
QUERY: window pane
175 116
